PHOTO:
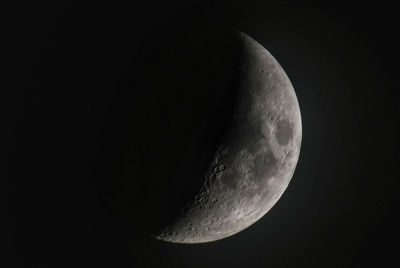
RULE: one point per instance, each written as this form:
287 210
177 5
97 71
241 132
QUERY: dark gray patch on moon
245 132
231 179
284 132
265 166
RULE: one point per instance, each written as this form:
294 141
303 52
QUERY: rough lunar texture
256 160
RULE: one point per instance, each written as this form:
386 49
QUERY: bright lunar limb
256 159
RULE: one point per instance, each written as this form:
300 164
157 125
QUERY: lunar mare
255 161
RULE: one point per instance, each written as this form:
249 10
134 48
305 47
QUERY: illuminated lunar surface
256 159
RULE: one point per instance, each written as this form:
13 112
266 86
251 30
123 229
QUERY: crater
284 132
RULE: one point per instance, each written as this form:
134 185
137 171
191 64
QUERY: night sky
113 111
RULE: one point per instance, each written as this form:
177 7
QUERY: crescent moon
256 159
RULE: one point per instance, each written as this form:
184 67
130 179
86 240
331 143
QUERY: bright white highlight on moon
256 160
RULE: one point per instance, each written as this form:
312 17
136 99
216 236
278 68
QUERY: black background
95 137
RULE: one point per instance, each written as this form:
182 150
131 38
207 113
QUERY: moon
256 159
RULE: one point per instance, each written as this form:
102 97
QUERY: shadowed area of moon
256 154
